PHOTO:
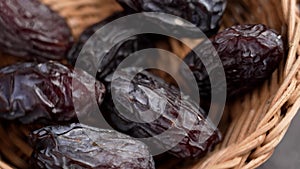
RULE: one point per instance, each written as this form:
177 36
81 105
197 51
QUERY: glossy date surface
148 106
205 14
249 55
80 146
31 92
110 59
31 30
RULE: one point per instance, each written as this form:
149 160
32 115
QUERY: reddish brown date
31 30
81 147
149 107
31 92
249 55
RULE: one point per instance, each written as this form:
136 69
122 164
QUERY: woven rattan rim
258 122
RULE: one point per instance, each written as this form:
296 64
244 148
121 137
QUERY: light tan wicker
255 123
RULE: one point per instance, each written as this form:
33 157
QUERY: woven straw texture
253 125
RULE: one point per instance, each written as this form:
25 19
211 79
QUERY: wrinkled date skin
150 107
42 93
80 146
114 56
31 30
249 55
205 14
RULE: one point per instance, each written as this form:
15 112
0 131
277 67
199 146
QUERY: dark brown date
113 57
31 30
150 107
205 14
80 146
249 55
31 92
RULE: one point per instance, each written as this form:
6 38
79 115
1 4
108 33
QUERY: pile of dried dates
50 91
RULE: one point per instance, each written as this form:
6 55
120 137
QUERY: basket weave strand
255 123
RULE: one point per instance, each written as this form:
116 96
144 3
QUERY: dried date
81 146
205 14
150 107
31 92
249 55
112 58
31 30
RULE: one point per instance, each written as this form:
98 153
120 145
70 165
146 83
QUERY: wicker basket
255 123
